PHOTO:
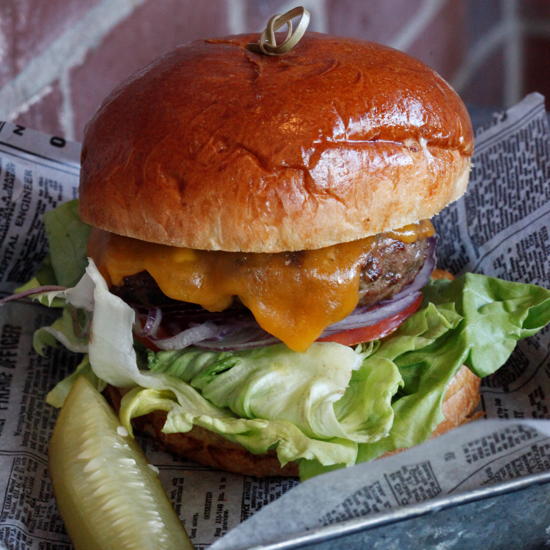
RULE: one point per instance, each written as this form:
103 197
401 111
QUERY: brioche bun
215 147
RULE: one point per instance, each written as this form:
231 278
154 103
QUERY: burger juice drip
293 295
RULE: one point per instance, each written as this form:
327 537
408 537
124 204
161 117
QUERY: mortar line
479 53
62 54
236 18
512 54
66 115
26 105
425 14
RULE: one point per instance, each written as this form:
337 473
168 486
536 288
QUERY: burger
256 282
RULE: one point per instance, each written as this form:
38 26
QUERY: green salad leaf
66 260
473 320
496 314
186 408
70 330
45 275
67 239
276 383
56 396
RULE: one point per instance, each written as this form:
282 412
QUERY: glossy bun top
216 147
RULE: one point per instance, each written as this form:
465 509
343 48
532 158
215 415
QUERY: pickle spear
106 492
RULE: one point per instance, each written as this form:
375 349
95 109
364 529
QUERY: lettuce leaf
473 320
325 408
45 275
316 390
257 435
66 260
64 330
67 239
496 314
277 384
56 397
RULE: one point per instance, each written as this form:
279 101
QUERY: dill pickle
106 492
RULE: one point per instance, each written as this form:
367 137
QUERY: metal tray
531 511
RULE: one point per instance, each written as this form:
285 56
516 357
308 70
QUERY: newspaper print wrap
501 228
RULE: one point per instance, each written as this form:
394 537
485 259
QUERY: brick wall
59 58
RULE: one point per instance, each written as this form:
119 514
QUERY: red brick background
59 58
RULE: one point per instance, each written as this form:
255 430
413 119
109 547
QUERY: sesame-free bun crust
210 449
215 147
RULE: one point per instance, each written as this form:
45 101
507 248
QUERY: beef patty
388 267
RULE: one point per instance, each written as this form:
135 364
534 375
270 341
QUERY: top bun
215 147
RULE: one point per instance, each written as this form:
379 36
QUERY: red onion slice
31 292
365 317
243 335
152 323
239 339
188 337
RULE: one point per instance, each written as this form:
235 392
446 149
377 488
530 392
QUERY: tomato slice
359 335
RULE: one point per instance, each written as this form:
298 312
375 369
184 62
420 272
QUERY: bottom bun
210 449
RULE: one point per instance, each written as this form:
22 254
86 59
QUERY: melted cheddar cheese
293 295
